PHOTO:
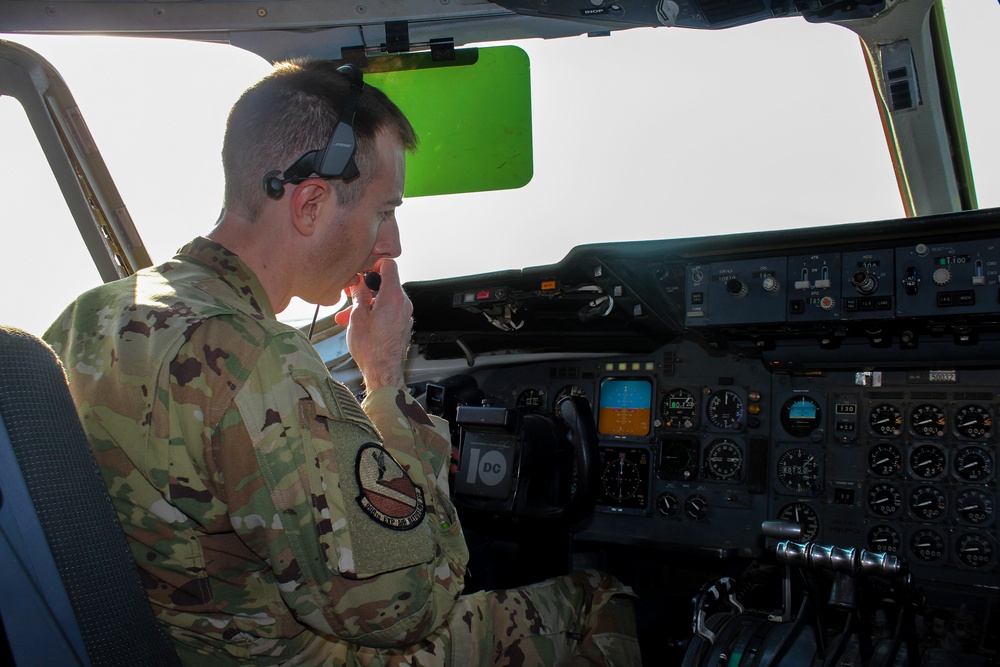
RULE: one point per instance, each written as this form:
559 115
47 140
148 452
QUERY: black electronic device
373 281
336 159
527 463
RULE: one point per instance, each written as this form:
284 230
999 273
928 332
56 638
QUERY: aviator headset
334 161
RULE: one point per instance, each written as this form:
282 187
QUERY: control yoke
528 463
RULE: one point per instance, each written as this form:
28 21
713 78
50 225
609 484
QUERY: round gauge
531 398
696 507
677 459
927 503
667 505
724 459
973 421
927 545
725 409
974 550
883 539
884 499
974 506
800 416
973 464
886 420
884 460
928 421
803 515
798 471
927 462
621 477
678 409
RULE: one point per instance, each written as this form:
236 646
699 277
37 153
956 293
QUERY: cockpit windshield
641 134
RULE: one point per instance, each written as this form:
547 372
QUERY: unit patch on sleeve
387 494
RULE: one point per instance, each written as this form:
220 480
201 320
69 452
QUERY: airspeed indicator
725 409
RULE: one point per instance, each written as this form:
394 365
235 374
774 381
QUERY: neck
261 249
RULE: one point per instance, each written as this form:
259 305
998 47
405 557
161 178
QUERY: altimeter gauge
799 471
679 409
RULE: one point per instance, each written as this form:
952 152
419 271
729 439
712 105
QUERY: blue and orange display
625 407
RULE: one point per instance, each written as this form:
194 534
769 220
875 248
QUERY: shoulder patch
387 494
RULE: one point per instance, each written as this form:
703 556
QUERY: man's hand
378 329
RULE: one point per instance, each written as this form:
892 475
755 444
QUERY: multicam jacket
263 506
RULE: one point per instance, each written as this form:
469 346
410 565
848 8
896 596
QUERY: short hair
291 111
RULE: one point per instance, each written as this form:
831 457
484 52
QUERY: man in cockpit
274 520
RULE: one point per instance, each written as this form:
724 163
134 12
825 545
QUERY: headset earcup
273 185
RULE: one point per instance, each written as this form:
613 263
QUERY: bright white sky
645 134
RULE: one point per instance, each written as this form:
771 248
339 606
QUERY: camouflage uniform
268 518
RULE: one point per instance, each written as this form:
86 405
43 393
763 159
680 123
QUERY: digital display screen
945 260
802 409
625 407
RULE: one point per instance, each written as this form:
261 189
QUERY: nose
387 244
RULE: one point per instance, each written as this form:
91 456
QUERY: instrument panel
697 448
841 379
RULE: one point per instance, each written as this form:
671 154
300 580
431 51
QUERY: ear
308 202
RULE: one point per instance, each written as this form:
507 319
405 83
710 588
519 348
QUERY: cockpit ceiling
322 28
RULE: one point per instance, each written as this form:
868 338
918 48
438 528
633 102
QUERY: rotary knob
941 277
737 287
770 284
827 303
864 282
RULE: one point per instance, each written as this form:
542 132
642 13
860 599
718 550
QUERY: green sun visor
472 116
